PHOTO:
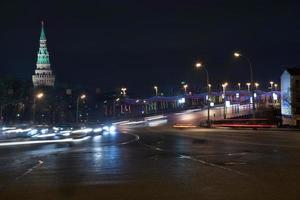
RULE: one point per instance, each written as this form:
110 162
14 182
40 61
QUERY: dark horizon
139 44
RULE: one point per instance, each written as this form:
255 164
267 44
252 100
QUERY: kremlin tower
43 74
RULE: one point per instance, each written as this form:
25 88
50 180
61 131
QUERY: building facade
290 97
43 74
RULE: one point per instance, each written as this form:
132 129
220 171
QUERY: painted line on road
136 138
196 160
213 165
28 171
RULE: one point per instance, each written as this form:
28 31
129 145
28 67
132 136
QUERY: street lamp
256 85
199 65
80 97
35 97
209 88
237 55
224 85
275 86
185 88
239 96
271 83
248 86
123 91
156 90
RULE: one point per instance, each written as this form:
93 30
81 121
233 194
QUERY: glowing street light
156 90
199 65
209 88
271 83
39 95
238 55
185 86
80 97
275 86
256 85
224 85
83 96
123 91
248 86
238 95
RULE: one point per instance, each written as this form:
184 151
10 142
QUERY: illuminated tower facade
43 74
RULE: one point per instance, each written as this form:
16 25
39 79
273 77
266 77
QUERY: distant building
290 97
43 74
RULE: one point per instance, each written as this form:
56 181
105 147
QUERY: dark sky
137 44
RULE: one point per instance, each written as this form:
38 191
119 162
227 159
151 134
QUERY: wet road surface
157 163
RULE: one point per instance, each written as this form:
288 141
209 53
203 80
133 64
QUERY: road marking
136 138
213 165
196 160
28 171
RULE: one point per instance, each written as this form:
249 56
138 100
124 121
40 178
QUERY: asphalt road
157 163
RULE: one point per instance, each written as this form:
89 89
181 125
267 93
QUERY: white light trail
155 117
85 130
44 135
97 130
43 141
17 130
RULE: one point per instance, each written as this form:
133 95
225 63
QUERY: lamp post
224 85
36 96
239 97
80 97
208 85
123 91
185 86
248 86
237 55
239 86
271 83
156 90
256 85
275 86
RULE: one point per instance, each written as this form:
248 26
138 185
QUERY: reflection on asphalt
210 163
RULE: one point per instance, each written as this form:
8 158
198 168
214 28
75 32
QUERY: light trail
44 135
44 141
155 117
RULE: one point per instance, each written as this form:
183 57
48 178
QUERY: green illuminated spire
42 36
43 55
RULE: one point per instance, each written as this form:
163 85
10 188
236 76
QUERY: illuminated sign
286 107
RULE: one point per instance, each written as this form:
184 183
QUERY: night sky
138 44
